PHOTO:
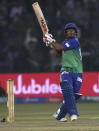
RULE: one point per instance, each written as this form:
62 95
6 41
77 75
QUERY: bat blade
40 17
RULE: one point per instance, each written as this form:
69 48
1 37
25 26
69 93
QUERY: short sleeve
71 44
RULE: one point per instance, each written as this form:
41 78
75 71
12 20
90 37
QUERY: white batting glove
48 39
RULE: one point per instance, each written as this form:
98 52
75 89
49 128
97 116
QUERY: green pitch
38 117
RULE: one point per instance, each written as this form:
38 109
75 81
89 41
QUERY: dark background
21 45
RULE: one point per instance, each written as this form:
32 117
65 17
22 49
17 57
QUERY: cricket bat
40 17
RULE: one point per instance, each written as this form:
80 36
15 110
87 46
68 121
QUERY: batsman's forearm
57 46
57 53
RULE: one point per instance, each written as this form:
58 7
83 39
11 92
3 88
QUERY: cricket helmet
71 26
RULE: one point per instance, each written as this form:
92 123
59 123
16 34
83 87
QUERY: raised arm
57 47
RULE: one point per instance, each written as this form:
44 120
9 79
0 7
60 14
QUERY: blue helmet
70 26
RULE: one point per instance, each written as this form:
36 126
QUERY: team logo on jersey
79 79
67 45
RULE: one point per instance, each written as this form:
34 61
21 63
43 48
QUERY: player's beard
71 35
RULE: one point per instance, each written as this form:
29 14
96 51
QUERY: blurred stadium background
21 45
25 58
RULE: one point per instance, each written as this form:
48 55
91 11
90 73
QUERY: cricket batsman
70 73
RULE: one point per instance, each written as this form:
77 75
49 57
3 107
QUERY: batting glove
48 39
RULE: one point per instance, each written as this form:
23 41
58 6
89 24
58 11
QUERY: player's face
70 33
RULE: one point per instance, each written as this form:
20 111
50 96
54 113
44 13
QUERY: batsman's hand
48 39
